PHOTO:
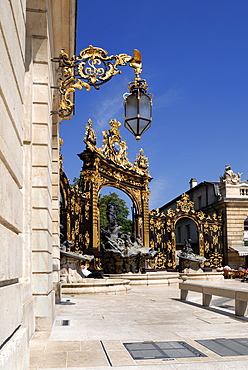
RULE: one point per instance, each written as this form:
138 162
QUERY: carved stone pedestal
190 266
70 271
115 263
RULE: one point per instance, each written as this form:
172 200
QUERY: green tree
122 211
77 181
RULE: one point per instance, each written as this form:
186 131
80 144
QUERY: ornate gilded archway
109 166
163 233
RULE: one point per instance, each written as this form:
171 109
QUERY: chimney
193 182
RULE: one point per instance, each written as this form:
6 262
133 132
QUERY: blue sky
195 60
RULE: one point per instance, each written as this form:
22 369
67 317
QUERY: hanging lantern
138 108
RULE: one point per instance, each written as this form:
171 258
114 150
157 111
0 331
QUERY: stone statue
90 136
65 250
187 249
122 253
66 246
111 213
230 177
61 235
188 259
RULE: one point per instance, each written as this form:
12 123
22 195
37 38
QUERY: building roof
242 250
215 184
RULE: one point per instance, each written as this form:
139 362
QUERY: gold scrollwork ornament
184 204
170 213
159 238
207 246
216 259
201 215
215 239
214 228
160 260
87 239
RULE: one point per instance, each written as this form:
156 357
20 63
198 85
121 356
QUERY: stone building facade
31 33
229 198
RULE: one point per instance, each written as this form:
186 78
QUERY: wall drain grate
65 322
226 347
159 350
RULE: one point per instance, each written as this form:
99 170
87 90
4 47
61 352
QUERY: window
187 231
199 202
179 234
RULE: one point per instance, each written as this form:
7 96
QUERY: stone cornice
233 202
64 25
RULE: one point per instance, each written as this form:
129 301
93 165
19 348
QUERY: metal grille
159 350
65 322
227 347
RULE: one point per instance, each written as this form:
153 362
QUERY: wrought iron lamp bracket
93 67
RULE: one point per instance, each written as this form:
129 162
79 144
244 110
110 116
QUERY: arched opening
186 229
65 208
126 208
246 231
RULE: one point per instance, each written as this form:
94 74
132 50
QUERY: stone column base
58 292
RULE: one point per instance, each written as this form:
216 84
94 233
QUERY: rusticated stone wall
29 170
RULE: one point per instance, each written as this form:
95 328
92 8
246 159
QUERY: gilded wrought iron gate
163 234
74 207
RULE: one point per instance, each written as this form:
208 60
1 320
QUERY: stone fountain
122 253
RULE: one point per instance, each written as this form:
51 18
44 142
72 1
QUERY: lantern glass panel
131 125
145 106
142 124
131 106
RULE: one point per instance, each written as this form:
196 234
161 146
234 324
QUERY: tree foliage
78 182
122 211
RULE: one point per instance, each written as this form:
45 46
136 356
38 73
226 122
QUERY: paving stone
54 360
94 358
62 346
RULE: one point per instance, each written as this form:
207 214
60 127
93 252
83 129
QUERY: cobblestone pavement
90 331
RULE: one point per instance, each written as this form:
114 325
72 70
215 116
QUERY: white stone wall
16 308
234 204
236 214
29 170
41 79
239 190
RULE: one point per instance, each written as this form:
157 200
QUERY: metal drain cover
65 322
159 350
227 347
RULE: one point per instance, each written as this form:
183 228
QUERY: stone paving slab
231 365
98 325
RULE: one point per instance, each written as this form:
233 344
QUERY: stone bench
239 295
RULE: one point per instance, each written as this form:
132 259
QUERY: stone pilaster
56 210
42 270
